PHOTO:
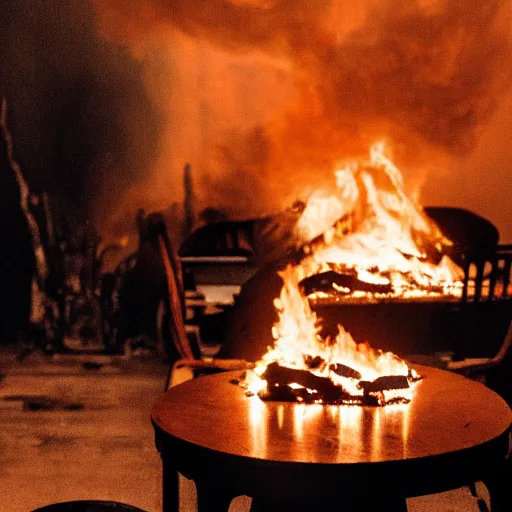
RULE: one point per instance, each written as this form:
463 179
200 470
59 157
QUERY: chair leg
499 486
212 500
482 505
170 489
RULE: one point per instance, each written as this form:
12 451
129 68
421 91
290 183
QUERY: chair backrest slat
176 304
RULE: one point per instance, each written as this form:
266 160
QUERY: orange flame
297 334
372 227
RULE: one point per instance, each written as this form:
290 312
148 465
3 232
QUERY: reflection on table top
448 413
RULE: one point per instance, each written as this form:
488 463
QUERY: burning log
288 394
412 376
345 371
277 376
286 384
348 279
313 362
385 383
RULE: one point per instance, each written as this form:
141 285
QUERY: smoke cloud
276 92
109 99
83 125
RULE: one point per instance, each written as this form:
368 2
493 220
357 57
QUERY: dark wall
79 112
17 263
82 125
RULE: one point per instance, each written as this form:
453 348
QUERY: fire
299 346
368 239
370 228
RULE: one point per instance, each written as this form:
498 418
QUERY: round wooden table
454 432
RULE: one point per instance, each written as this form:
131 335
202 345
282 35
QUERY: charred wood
347 279
413 377
278 393
313 362
385 383
283 376
345 371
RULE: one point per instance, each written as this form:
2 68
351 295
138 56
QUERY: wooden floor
101 451
71 431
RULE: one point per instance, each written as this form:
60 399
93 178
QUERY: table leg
499 485
212 500
170 490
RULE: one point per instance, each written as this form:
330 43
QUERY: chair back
179 346
487 276
473 236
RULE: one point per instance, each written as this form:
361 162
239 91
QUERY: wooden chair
183 349
473 236
487 275
184 353
486 265
475 367
483 310
478 369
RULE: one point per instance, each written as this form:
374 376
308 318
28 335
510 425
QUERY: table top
448 413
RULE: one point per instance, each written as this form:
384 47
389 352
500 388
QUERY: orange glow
258 96
296 334
371 227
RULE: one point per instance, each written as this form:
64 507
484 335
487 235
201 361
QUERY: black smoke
79 113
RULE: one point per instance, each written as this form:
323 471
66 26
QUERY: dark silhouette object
211 215
176 342
182 349
151 296
142 288
473 236
478 368
188 204
487 275
232 238
17 261
88 506
481 314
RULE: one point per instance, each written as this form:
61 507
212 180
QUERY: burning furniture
307 456
303 367
310 411
368 257
375 238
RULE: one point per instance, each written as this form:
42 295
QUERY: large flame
371 227
297 338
